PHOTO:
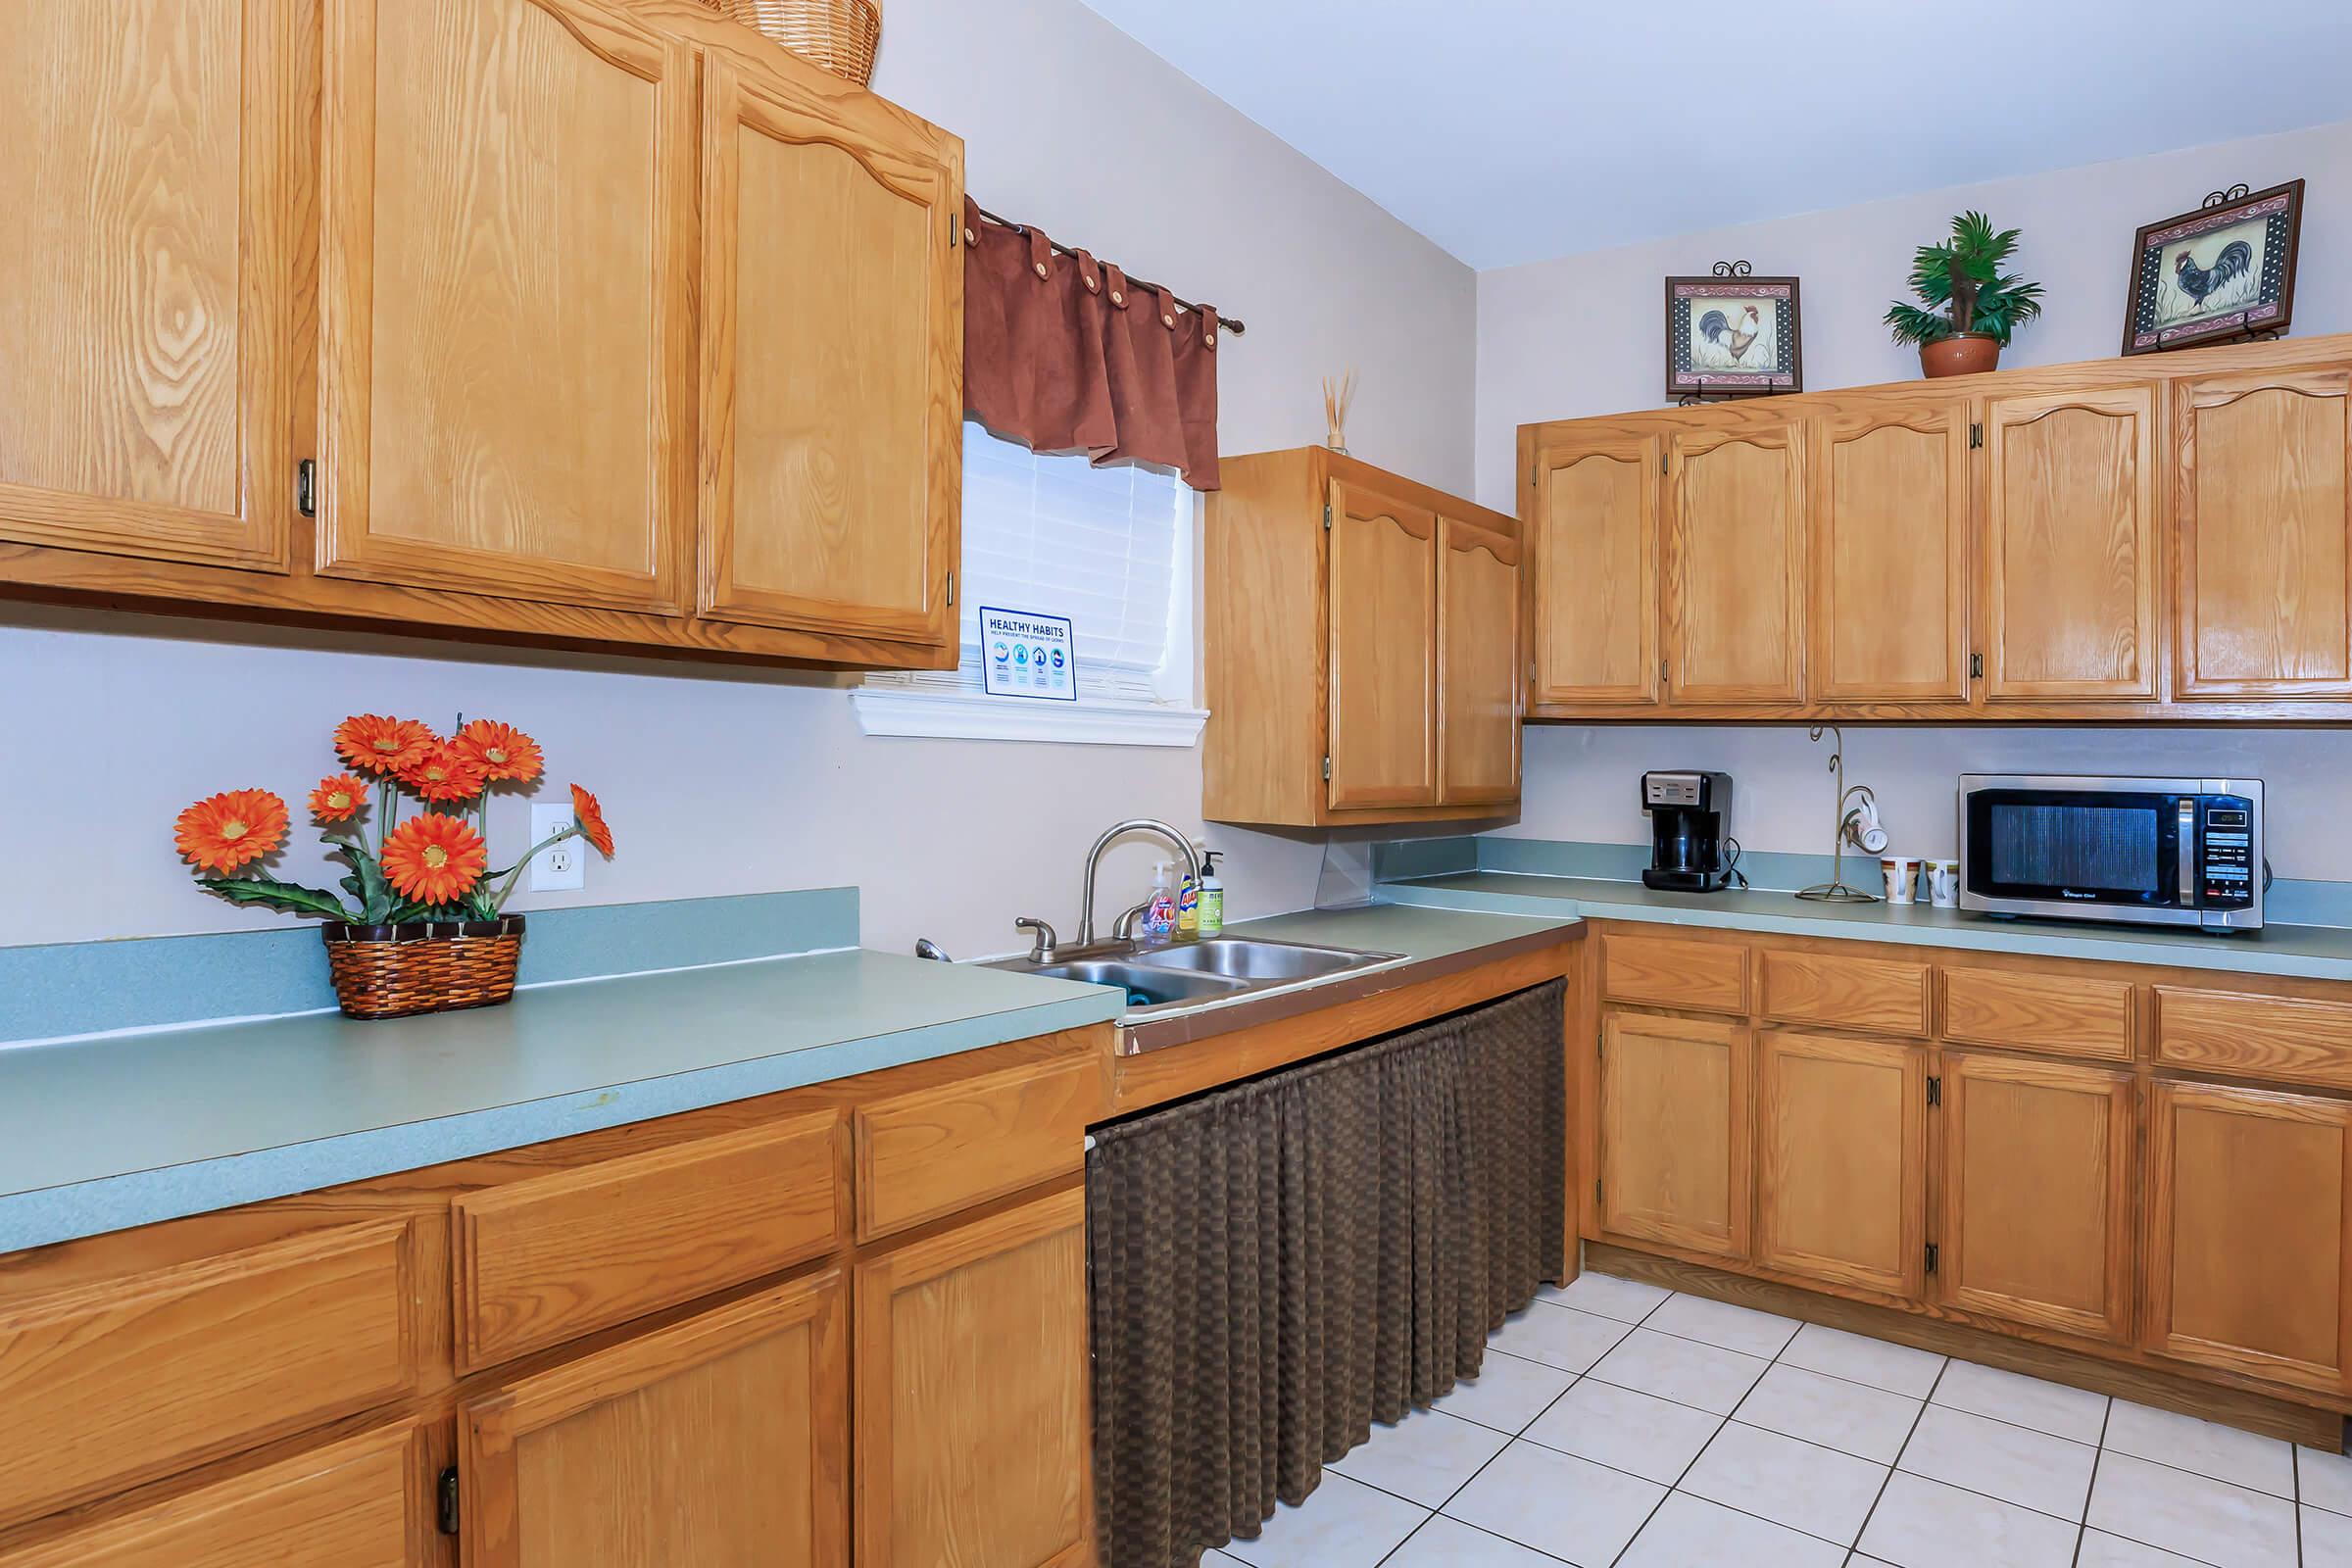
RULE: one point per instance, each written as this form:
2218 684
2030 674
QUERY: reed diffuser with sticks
1335 410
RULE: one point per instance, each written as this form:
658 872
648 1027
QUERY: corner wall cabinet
2148 1169
1362 647
594 323
2162 538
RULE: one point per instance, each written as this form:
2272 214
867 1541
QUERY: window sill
969 715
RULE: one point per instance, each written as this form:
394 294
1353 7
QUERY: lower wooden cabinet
1842 1159
972 1394
2036 1221
2247 1231
1676 1129
363 1503
719 1440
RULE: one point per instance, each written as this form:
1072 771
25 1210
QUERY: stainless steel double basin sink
1244 980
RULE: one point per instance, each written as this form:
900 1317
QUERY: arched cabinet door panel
1735 566
1595 536
1383 603
1889 605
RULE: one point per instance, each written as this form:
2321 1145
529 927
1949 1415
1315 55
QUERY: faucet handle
1123 928
1043 942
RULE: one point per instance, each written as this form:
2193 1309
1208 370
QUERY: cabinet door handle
1975 667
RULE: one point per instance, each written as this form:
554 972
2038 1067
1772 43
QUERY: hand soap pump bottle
1159 911
1213 895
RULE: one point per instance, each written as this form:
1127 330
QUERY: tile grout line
1887 1479
2099 1455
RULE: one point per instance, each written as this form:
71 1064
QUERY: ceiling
1516 130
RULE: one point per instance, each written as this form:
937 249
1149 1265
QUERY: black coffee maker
1686 831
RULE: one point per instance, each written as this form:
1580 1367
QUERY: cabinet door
832 359
506 342
1677 1131
973 1370
2037 1194
719 1440
1889 611
2265 508
2069 546
1594 539
2247 1241
1383 656
1735 566
1478 664
1841 1160
147 383
363 1503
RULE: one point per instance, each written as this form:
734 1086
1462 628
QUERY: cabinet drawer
555 1256
2072 1015
2259 1036
939 1150
112 1381
1707 976
1885 995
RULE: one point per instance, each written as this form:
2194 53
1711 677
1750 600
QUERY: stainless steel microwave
2181 851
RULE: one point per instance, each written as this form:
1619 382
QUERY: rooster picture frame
2225 270
1733 335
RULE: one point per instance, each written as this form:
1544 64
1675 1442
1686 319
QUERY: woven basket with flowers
421 927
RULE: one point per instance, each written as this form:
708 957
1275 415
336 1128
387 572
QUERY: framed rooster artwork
2225 270
1731 335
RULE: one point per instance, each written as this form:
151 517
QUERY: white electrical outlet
560 865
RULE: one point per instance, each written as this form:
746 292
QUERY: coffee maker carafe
1687 811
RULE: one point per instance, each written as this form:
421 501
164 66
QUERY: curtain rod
1226 321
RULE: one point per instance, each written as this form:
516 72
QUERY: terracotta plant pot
1962 353
391 971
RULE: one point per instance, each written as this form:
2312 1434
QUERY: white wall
725 781
1582 335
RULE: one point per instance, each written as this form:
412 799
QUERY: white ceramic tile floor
1700 1434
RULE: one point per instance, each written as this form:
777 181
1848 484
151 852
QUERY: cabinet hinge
306 487
951 589
1932 1255
1976 436
1662 459
446 1512
1327 517
1975 667
1327 769
1596 1191
953 227
1935 1091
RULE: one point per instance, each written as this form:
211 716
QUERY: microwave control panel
2226 863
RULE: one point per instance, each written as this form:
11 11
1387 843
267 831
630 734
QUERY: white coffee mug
1902 877
1943 883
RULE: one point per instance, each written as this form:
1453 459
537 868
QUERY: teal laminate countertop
104 1134
1422 934
2313 951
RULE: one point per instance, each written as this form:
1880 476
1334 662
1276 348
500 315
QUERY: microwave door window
2088 848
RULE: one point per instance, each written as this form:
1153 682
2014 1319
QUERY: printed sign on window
1027 655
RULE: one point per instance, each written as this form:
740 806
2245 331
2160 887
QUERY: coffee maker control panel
1674 789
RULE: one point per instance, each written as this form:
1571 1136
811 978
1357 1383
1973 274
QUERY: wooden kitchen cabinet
2265 529
1890 506
148 377
507 300
1735 565
2036 1164
832 359
716 1440
972 1394
1676 1126
2249 1201
1842 1159
1593 530
1362 647
2070 545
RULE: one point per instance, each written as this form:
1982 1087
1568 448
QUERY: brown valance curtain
1279 1264
1065 354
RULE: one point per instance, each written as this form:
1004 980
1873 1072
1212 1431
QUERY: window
1110 547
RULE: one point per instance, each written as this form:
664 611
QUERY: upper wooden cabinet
147 369
832 361
1363 646
1889 572
1735 563
2070 545
625 326
2157 538
2263 508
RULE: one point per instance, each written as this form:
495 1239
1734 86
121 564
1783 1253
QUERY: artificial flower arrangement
424 927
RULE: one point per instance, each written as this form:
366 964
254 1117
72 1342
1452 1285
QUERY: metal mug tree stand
1835 890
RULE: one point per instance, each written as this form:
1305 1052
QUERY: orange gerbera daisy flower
338 799
444 773
434 859
503 751
375 743
224 832
590 816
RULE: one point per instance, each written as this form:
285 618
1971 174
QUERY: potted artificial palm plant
1967 306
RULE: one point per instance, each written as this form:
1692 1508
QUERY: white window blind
1110 547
